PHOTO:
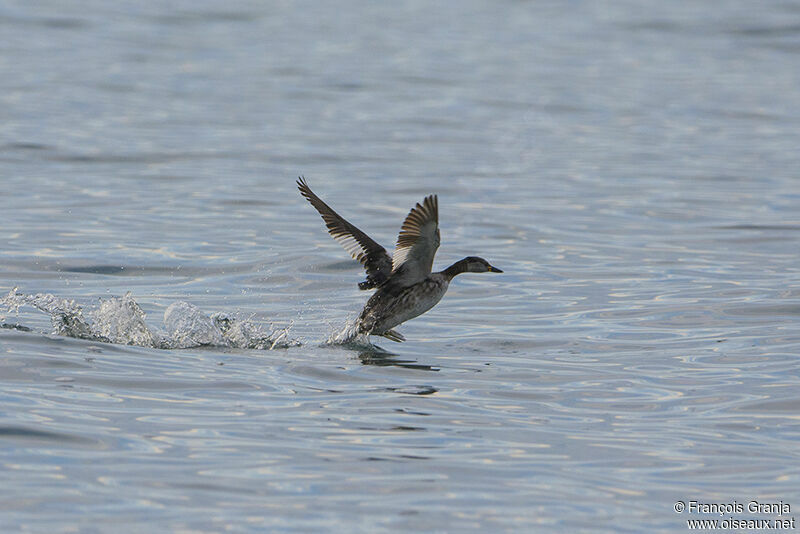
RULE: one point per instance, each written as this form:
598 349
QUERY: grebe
406 287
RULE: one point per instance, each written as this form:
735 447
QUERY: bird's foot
394 335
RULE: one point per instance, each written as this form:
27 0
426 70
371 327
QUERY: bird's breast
385 311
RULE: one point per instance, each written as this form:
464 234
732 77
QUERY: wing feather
359 245
417 242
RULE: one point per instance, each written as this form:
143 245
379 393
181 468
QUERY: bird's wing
361 247
417 243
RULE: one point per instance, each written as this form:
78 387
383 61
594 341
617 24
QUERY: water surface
632 167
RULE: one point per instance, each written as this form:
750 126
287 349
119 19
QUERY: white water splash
246 334
121 320
13 301
187 326
66 315
348 334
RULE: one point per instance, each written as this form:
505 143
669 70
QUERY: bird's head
475 264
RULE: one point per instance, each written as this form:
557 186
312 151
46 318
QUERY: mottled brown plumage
406 287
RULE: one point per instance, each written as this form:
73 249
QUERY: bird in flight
406 287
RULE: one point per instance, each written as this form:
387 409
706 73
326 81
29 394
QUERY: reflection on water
632 171
377 356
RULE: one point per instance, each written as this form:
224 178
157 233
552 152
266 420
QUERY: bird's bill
494 270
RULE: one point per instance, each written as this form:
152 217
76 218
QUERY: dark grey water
631 166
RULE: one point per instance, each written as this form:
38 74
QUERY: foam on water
121 320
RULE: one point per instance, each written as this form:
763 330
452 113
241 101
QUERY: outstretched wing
361 247
417 243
